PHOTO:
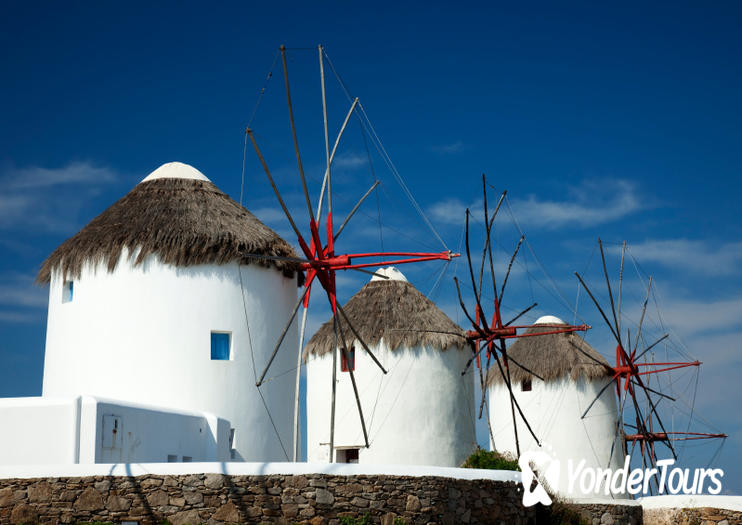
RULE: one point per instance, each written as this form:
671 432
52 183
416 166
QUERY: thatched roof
552 357
395 311
184 221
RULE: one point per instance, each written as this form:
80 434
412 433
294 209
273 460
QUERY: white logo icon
547 467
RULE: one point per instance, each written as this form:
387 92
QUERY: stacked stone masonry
315 499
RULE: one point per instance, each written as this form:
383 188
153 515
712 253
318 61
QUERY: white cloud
44 199
452 147
73 173
451 211
692 255
19 290
592 203
350 160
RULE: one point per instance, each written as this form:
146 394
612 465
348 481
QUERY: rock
103 486
227 512
193 497
324 497
192 480
606 519
186 517
214 481
148 483
24 514
466 516
388 519
177 502
90 499
359 502
413 504
317 520
116 503
723 522
298 482
307 512
290 510
158 498
253 512
40 492
6 496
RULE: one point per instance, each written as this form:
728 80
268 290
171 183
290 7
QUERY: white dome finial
549 319
391 274
176 170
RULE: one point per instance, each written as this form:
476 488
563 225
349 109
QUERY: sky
599 121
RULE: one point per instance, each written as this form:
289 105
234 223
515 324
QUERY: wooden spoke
610 291
293 133
355 208
510 266
609 383
360 339
283 335
344 349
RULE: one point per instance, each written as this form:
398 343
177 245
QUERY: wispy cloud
698 256
451 211
592 203
350 160
19 290
450 148
74 173
49 199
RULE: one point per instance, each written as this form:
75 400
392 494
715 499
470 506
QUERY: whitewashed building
573 374
421 412
157 305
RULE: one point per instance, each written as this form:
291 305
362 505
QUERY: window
220 343
525 385
344 365
346 455
187 459
67 291
172 458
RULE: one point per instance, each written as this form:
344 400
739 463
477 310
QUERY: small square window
525 385
172 458
220 346
187 459
67 291
345 366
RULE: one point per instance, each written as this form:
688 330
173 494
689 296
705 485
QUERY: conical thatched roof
177 214
552 356
394 310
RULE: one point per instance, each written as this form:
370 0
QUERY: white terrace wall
57 431
143 334
420 413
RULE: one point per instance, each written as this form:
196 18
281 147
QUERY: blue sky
599 121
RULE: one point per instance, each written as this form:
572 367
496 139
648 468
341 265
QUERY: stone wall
694 516
289 499
214 498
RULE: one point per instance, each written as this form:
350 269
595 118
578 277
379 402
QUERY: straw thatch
552 357
395 311
184 222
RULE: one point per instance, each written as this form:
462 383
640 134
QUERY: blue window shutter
220 346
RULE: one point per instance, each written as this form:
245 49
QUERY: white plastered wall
83 429
420 413
554 410
143 334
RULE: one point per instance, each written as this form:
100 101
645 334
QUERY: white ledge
249 469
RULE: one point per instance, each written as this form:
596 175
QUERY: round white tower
421 412
156 301
573 374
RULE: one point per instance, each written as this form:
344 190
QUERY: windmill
631 375
322 259
492 337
